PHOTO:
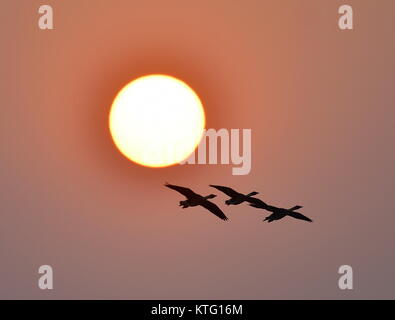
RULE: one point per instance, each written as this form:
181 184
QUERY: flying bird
194 199
278 213
235 197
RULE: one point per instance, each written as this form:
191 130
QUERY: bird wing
228 191
184 191
257 203
299 216
212 207
295 208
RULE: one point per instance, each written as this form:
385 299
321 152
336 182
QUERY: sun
156 120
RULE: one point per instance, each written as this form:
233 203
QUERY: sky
319 103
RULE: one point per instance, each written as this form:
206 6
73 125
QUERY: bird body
194 199
278 213
235 197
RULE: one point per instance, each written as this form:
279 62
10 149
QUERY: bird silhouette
194 199
278 213
235 197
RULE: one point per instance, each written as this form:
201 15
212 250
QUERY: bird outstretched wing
212 207
295 208
257 203
184 191
228 191
299 216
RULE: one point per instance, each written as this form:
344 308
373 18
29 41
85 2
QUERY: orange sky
319 102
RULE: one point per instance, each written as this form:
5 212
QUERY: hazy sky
319 102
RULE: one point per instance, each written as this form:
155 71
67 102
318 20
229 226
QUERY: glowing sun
156 120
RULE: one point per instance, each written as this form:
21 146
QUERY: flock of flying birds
194 199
